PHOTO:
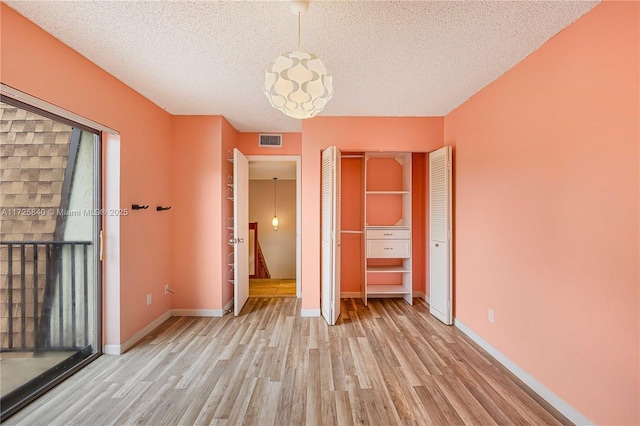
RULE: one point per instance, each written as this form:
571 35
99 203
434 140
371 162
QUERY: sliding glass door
50 220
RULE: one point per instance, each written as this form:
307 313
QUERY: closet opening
386 228
274 252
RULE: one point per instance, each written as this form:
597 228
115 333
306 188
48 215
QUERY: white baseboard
197 312
111 349
126 345
558 403
122 348
310 313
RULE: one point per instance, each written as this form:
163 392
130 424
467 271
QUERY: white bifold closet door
240 231
330 266
440 275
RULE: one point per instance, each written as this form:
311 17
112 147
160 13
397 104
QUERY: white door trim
440 233
297 160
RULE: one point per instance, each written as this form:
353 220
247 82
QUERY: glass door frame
31 390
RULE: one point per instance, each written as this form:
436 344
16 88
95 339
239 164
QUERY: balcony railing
46 289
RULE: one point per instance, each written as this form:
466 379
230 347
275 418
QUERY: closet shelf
398 268
387 227
387 192
387 289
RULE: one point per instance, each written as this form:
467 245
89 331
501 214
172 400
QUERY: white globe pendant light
297 83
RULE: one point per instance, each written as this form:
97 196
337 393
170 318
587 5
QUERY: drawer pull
387 248
387 235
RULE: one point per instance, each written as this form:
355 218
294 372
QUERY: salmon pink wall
418 134
200 206
291 144
201 147
36 63
546 213
351 244
420 222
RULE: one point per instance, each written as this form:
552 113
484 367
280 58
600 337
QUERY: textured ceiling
388 58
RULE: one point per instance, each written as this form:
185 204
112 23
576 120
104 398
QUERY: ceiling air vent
272 141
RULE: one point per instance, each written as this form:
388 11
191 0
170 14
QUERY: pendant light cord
275 196
298 31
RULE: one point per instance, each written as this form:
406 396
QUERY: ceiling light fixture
297 83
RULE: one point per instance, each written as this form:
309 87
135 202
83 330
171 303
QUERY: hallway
259 287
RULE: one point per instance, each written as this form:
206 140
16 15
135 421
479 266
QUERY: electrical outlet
166 289
148 299
492 316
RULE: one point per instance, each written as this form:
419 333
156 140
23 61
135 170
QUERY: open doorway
274 246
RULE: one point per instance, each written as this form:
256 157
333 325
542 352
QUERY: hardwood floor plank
337 373
402 403
361 363
437 404
299 402
343 408
356 398
429 406
314 390
124 405
326 367
328 407
379 408
143 405
254 411
293 348
240 405
285 399
467 407
490 400
386 364
247 365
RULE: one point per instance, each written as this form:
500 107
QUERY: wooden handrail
261 264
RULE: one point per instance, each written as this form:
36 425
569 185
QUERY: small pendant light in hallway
274 221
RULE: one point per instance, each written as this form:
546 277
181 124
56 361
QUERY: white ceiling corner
388 58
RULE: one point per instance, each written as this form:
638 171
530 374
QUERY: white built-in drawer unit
389 243
388 234
399 249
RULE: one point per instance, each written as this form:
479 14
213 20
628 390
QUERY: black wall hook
160 208
138 207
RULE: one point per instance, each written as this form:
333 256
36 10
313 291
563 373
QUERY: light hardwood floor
386 364
269 287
